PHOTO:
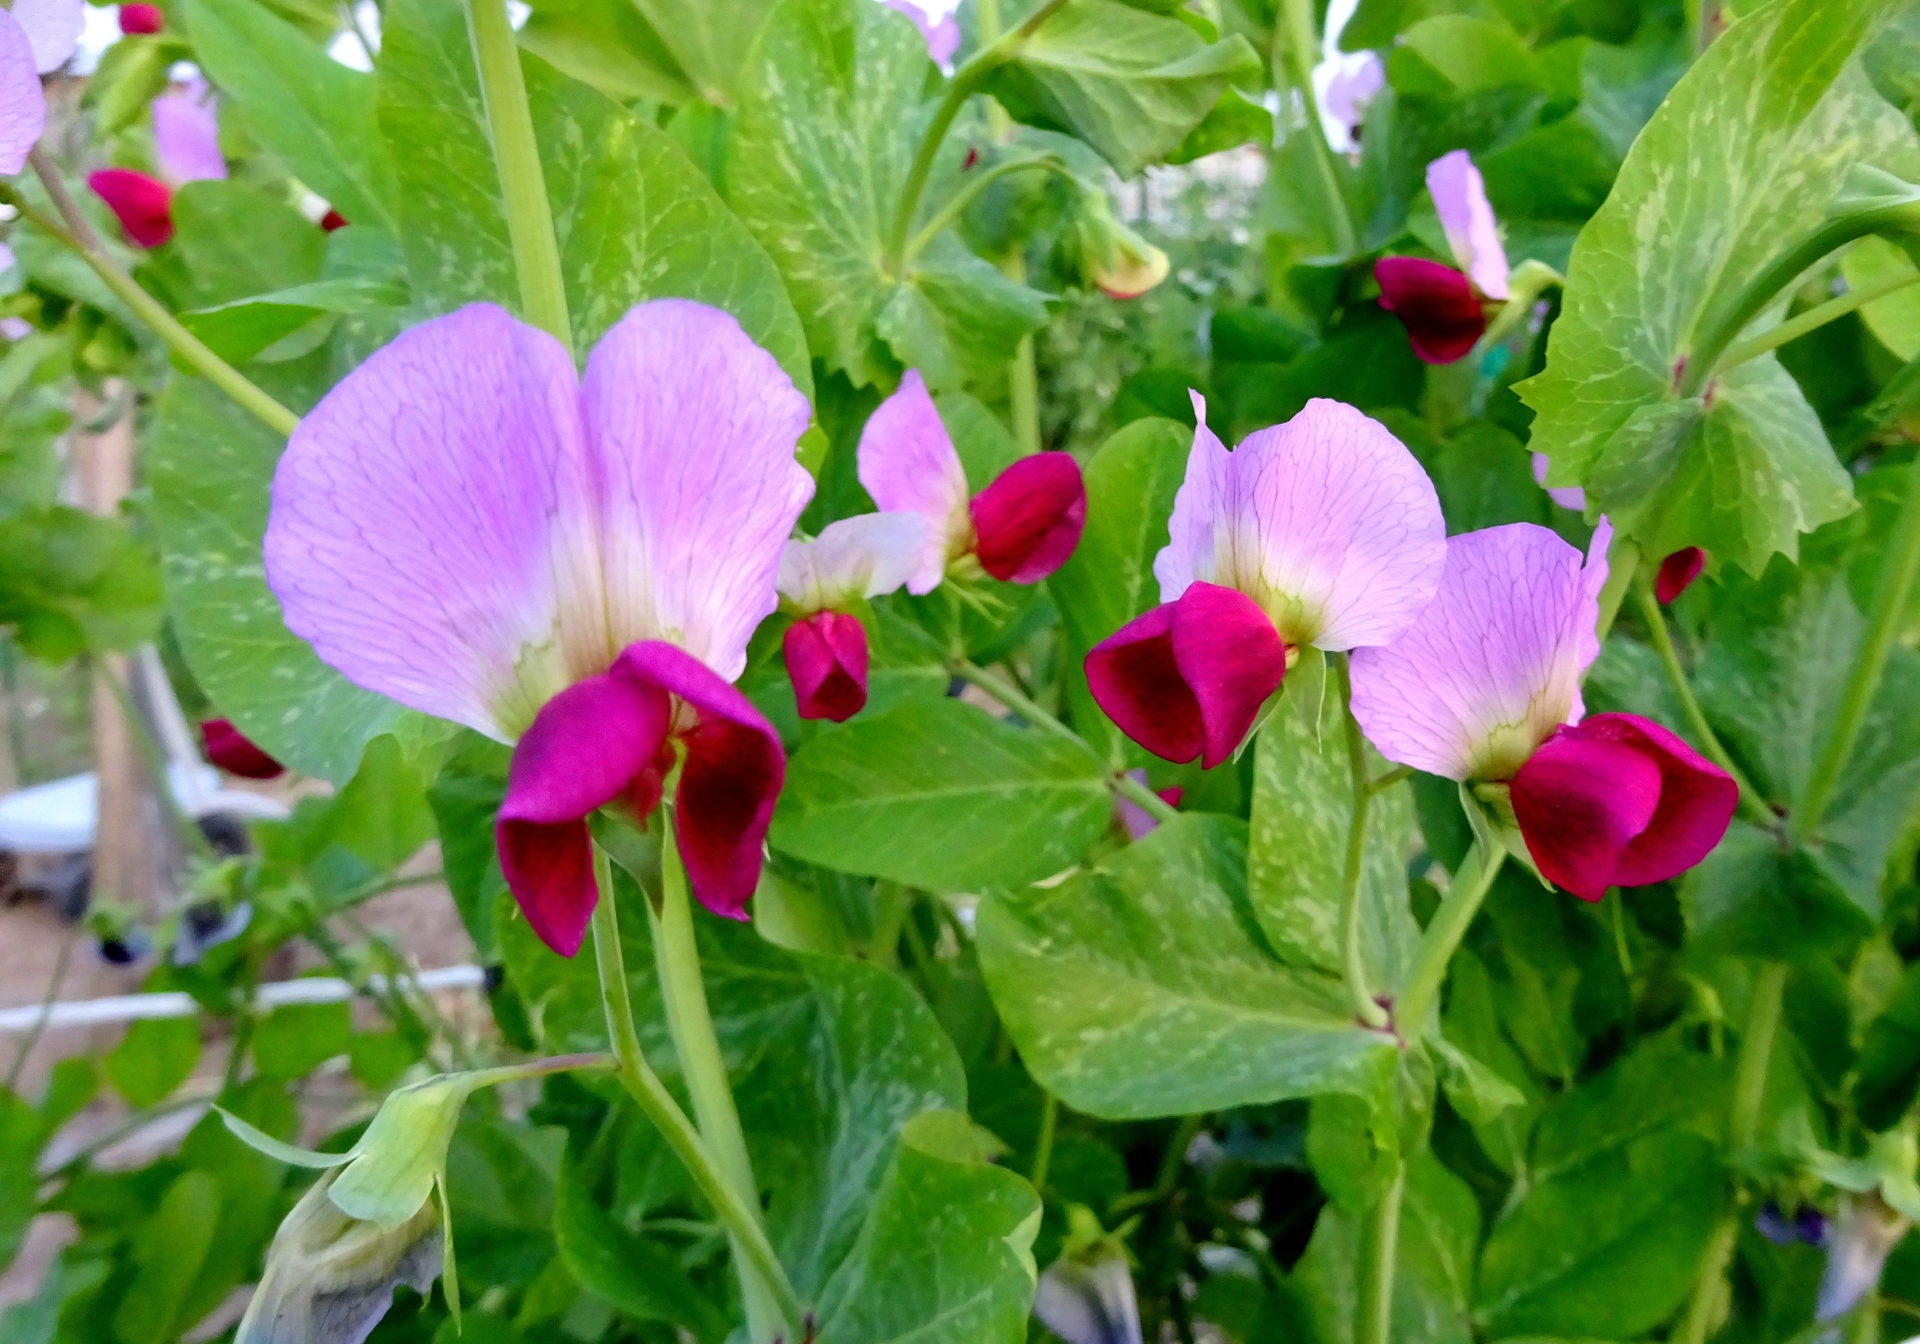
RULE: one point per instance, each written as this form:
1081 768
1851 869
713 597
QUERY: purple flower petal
863 556
1460 199
433 532
1327 522
1580 801
942 35
1187 678
1492 665
1027 522
692 427
1353 86
1436 305
584 749
53 27
728 782
1566 496
23 107
908 464
1677 573
826 656
186 136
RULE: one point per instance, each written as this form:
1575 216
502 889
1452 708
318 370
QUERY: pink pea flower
230 749
942 35
1566 496
1321 531
186 135
23 107
1677 573
142 204
1441 307
1021 528
52 28
1352 86
1484 685
140 20
826 648
572 562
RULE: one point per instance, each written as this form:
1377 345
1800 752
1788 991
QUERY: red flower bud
1028 521
143 205
1435 303
229 749
826 656
332 220
1677 571
140 19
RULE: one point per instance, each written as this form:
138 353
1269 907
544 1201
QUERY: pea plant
1101 670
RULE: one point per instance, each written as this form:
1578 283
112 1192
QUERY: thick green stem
1443 934
970 193
1751 803
753 1253
1364 1006
78 236
1131 789
1380 1240
516 157
1043 1147
1293 55
1709 1290
1883 623
677 959
1813 319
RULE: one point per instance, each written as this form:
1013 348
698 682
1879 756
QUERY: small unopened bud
1118 261
1859 1241
1087 1295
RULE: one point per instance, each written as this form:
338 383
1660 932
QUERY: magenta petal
139 20
1435 303
143 205
23 107
231 750
728 782
1580 801
583 750
1027 522
1187 678
826 656
1678 571
1697 799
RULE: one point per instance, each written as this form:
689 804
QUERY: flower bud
1027 522
142 204
826 657
1119 262
1087 1295
1862 1237
228 748
1677 572
140 19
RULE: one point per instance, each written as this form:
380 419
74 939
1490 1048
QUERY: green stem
1710 1287
1883 624
890 907
1373 1305
741 1219
1443 934
1386 781
32 1038
1364 1007
1132 789
516 157
970 193
964 84
1294 69
1751 803
78 237
677 958
1023 394
1043 1146
1818 316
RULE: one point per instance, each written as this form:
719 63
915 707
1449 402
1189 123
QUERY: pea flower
942 35
1352 80
142 204
1566 496
1087 1295
1484 687
1323 531
141 20
229 748
1677 573
186 135
574 564
1019 529
53 29
826 647
1120 263
36 38
1441 307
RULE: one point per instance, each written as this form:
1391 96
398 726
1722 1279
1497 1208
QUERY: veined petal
1460 199
1492 665
1580 802
692 429
23 107
863 556
585 748
432 529
142 204
186 136
1027 522
1436 305
1327 522
826 656
729 779
53 27
908 464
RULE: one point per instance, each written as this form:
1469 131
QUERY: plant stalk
1364 1007
1292 56
1043 1146
1380 1239
1883 622
1442 937
753 1253
1813 319
516 157
968 194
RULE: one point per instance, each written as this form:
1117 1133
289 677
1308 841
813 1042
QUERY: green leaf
21 1133
168 1251
314 113
1233 122
296 1038
608 44
465 797
1143 987
70 581
1131 84
710 42
154 1057
246 328
1461 54
639 1277
1895 319
938 794
1743 472
828 121
262 1142
1889 1062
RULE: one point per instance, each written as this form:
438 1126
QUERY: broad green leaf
828 123
938 794
1298 834
710 42
21 1132
153 1058
634 218
240 240
1608 1248
637 1275
1895 319
1142 986
1889 1062
1131 84
168 1252
465 796
1661 1084
315 114
247 328
296 1038
70 581
1744 471
1461 54
608 44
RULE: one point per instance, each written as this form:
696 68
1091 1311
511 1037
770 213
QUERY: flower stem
1444 932
1131 789
1043 1147
1364 1006
516 157
968 194
1818 316
677 958
753 1253
79 238
1751 803
1292 58
1380 1240
1883 622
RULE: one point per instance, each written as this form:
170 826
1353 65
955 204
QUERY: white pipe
138 1007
